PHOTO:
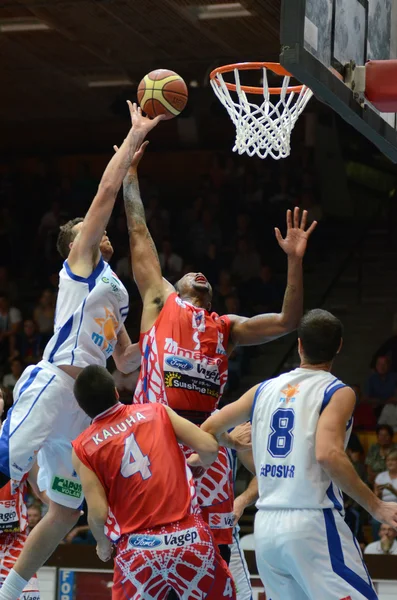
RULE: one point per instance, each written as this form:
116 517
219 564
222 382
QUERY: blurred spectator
389 349
264 293
388 416
314 210
28 345
155 211
386 482
203 233
49 229
387 543
283 198
7 287
44 313
34 516
247 263
10 379
364 416
382 384
123 265
10 322
171 263
210 264
81 534
377 453
223 289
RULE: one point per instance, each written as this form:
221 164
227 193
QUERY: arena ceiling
60 66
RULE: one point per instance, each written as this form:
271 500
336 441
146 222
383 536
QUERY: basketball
162 92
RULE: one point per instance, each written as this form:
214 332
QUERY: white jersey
285 414
89 314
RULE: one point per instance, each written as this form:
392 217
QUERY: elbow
288 324
107 188
327 457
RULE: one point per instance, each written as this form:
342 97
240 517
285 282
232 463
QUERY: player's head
68 234
195 286
320 337
95 390
388 532
391 461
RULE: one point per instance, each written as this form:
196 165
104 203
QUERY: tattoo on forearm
134 207
132 199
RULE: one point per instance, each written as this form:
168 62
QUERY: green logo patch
68 487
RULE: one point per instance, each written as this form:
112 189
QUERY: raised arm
330 453
126 355
84 252
97 506
144 258
264 328
189 434
229 417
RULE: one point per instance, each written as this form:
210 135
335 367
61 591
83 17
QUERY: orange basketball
162 92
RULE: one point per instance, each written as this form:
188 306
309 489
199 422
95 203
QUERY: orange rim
248 66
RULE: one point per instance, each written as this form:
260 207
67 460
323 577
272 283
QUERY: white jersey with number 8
284 418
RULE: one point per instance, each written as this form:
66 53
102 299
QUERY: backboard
319 37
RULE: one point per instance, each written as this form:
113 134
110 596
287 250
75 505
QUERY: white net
263 129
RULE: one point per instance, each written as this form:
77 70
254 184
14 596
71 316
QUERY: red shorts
215 495
11 545
181 556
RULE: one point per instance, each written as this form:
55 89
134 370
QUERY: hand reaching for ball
141 123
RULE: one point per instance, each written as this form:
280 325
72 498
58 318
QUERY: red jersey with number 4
184 360
135 455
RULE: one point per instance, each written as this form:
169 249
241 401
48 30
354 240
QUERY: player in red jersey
140 495
185 347
14 528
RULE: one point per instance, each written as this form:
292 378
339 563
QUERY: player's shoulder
67 273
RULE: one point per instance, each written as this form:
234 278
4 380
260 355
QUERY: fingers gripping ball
162 92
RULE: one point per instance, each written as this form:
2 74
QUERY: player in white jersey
91 308
301 421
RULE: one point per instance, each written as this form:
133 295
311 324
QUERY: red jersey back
13 511
135 454
184 359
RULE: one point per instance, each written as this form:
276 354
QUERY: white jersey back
89 314
285 414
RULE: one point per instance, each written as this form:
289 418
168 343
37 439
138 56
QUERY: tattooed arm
264 328
144 258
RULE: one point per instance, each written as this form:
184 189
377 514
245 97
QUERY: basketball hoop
263 129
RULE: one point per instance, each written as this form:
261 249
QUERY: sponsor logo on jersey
179 363
290 393
106 338
105 280
347 598
67 487
279 471
9 521
220 348
220 520
161 542
144 541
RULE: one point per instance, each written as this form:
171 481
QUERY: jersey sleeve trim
90 280
333 387
77 446
258 391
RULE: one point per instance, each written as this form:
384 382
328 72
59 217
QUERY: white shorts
43 420
309 555
239 569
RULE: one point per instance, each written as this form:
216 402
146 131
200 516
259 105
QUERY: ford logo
179 363
144 541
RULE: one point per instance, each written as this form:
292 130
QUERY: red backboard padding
381 84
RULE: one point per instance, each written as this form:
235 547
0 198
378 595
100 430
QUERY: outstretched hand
295 242
141 123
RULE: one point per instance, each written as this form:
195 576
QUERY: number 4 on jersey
133 460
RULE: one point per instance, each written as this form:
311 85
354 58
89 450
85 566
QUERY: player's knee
64 515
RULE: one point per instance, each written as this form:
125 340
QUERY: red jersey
135 455
184 359
13 511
